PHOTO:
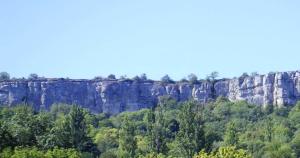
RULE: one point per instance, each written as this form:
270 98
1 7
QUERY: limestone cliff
115 96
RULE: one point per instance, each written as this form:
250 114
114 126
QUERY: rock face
115 96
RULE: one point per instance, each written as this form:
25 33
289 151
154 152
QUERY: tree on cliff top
33 76
111 77
193 79
4 76
166 79
212 76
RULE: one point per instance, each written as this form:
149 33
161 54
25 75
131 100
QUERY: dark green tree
127 141
6 139
70 132
156 127
78 131
22 126
191 135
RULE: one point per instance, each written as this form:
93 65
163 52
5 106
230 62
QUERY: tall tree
156 129
78 131
199 132
268 128
159 131
70 132
77 126
150 121
127 141
191 135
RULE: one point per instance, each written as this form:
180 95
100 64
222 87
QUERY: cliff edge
115 96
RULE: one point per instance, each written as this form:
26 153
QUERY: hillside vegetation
221 129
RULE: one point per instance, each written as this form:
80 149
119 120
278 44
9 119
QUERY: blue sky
87 38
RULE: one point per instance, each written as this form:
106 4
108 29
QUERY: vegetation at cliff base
220 129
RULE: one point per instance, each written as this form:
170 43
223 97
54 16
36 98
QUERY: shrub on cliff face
4 76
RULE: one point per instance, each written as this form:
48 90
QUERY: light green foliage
6 153
294 115
295 143
27 153
224 152
277 149
112 153
63 153
106 139
153 155
36 153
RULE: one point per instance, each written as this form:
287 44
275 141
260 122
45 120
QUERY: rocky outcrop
115 96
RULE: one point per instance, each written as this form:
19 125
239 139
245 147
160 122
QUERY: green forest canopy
220 129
